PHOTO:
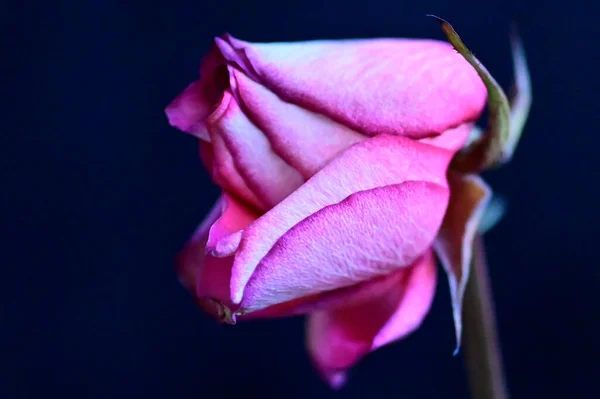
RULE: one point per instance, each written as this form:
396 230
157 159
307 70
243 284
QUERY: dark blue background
99 193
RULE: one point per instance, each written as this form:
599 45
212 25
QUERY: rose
333 159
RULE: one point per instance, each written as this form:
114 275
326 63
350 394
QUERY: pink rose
333 159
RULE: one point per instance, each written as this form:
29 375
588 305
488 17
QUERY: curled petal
269 178
452 139
369 234
406 87
235 216
338 338
206 276
378 162
306 140
225 171
340 297
469 197
188 110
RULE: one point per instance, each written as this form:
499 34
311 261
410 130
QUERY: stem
482 354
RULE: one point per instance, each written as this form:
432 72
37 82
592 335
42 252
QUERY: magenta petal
338 338
235 216
369 234
469 196
225 173
190 260
306 140
452 139
269 177
406 87
226 246
224 170
377 162
188 110
328 300
206 276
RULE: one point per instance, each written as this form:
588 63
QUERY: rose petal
452 139
377 162
224 170
188 110
189 269
207 276
336 339
234 218
369 234
408 87
306 140
269 177
330 299
469 196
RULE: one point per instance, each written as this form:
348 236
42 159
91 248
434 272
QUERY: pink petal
328 300
269 177
369 234
452 139
306 140
224 172
469 196
207 276
188 110
338 338
377 162
189 270
234 218
407 87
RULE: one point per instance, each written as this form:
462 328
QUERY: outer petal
414 88
340 297
469 197
378 162
338 338
370 234
187 111
205 275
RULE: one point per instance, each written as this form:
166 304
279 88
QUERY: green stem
482 353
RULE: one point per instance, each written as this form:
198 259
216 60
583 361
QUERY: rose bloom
333 158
